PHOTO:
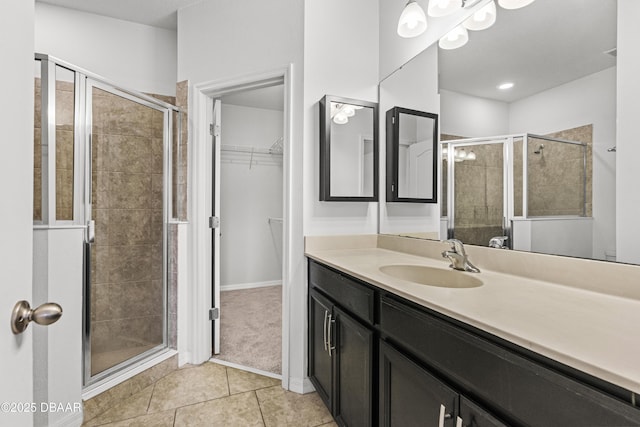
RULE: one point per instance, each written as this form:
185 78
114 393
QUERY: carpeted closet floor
251 328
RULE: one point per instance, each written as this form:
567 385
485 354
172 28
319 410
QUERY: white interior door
420 166
215 274
16 193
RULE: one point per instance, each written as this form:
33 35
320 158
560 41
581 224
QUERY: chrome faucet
499 242
458 257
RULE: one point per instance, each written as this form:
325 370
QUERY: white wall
470 116
341 58
251 248
628 144
589 100
415 86
213 47
136 56
568 237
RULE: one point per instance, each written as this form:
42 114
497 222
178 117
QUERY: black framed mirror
348 150
412 148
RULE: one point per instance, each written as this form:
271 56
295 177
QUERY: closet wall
251 193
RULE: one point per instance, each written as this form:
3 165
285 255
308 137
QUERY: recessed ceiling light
505 86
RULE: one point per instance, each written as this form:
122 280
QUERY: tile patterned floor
215 395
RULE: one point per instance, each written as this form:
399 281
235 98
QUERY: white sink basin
431 276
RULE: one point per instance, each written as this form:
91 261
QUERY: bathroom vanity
492 350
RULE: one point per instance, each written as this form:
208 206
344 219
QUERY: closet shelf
248 150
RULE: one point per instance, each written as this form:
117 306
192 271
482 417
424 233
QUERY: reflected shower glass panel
444 176
479 193
127 257
518 176
37 142
64 114
556 178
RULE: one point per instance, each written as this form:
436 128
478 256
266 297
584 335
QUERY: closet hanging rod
247 149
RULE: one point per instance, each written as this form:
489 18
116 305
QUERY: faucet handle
456 246
498 242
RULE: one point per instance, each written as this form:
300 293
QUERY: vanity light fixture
413 21
455 38
438 8
505 85
514 4
340 113
482 19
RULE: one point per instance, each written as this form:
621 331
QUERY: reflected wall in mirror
412 138
560 56
348 150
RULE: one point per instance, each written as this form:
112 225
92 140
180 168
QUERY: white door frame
197 323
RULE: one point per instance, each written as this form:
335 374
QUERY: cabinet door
411 396
320 370
354 370
473 415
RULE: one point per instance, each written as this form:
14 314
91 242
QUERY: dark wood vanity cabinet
341 350
435 371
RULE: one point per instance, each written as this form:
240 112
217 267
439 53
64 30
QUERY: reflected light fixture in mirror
413 21
340 113
514 4
482 19
438 8
455 38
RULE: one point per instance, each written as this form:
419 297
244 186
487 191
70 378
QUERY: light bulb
514 4
340 118
348 111
438 8
482 19
455 38
413 21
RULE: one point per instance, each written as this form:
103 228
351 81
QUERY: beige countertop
591 331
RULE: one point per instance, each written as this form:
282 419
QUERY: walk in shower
106 158
507 185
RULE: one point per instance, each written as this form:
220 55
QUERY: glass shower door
477 191
125 284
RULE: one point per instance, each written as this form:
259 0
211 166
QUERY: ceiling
270 98
541 46
157 13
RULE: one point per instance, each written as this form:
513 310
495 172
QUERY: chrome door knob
44 314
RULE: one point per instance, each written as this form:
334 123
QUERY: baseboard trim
301 385
246 368
239 286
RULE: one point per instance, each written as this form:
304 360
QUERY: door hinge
214 222
214 313
214 130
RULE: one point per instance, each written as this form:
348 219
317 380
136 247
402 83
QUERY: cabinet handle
458 422
443 416
324 330
330 344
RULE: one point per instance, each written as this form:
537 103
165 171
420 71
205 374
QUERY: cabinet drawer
511 385
355 297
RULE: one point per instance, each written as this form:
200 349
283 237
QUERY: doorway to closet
248 199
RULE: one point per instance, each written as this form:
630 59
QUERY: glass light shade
482 19
438 8
514 4
470 156
340 118
348 111
455 38
413 21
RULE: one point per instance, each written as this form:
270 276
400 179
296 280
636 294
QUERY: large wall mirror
348 150
535 161
412 147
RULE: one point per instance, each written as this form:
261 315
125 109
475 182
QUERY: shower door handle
91 231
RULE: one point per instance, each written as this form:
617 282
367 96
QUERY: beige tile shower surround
556 183
204 395
579 312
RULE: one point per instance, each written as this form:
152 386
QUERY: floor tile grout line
175 416
264 423
151 397
226 372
